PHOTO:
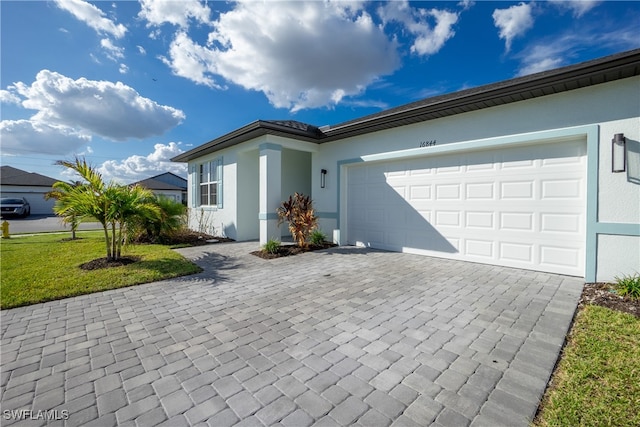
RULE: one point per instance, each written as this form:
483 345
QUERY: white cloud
158 12
7 97
513 22
24 137
428 39
190 60
466 4
123 69
113 52
136 167
299 54
560 49
578 7
141 50
111 110
92 16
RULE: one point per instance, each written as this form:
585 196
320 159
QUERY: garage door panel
483 220
517 190
480 191
559 256
448 191
480 248
561 189
522 207
563 223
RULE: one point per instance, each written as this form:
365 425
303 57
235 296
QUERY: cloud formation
23 137
92 16
559 50
428 39
577 7
158 12
136 167
513 22
296 52
111 110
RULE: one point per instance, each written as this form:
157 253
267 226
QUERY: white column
270 190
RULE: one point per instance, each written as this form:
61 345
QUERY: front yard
47 267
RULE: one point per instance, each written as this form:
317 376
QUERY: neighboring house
30 185
168 185
517 173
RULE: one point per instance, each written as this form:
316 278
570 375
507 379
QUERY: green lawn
597 382
45 267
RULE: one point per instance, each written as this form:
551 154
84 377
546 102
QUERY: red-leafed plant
298 212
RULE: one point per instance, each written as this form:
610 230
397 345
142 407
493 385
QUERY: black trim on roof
602 70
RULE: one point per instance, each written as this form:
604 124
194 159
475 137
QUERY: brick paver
347 336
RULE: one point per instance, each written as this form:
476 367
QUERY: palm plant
87 200
127 204
62 193
114 206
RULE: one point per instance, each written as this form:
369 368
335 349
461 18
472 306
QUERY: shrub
629 285
271 246
317 237
298 212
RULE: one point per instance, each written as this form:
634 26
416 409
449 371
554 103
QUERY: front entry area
520 207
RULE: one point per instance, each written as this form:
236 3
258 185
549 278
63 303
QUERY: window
209 181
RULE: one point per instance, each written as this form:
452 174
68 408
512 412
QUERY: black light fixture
323 177
618 153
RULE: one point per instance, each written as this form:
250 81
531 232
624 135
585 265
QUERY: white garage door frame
591 133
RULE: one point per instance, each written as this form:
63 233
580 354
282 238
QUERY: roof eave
251 131
537 85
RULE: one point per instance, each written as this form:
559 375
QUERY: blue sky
130 84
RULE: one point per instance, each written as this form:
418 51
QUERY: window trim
212 179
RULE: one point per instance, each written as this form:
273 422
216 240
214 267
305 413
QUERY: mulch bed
289 250
190 238
195 238
108 263
603 294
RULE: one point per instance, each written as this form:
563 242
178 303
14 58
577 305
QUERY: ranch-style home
540 172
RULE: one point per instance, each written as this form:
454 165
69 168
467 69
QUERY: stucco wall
213 220
248 195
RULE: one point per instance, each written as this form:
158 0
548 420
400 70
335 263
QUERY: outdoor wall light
323 177
618 153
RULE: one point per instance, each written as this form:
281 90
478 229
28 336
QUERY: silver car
14 206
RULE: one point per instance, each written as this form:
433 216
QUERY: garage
522 206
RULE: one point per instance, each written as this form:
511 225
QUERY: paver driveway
338 337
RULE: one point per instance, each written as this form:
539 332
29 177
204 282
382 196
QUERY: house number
427 143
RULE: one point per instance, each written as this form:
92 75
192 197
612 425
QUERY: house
168 185
30 185
539 172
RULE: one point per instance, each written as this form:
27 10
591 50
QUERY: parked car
14 206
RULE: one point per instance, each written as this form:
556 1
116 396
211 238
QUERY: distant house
30 185
168 185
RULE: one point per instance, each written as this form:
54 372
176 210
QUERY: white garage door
520 207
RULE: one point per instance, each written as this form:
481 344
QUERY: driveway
44 223
347 336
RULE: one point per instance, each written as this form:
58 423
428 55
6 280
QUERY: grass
597 380
45 267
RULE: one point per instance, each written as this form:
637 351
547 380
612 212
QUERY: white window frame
208 177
